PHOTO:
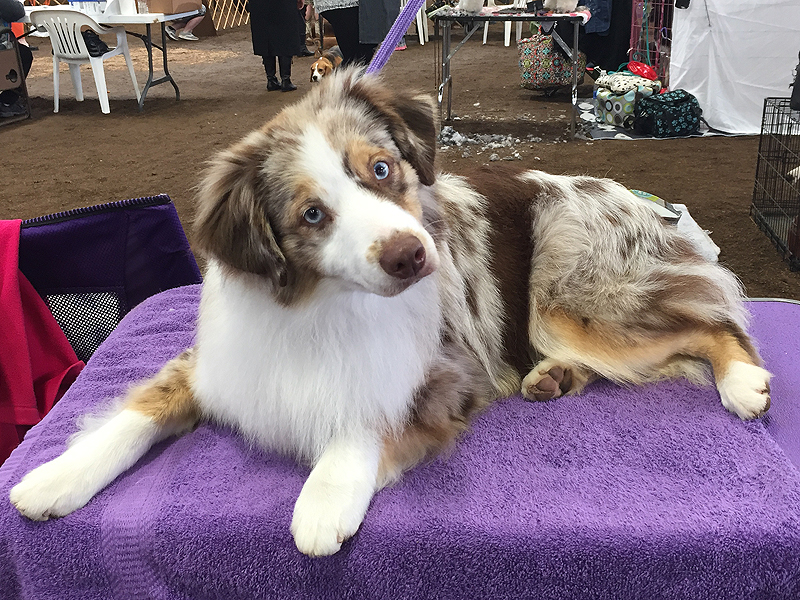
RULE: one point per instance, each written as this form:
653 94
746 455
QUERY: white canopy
732 54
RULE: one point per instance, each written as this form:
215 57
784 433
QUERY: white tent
732 54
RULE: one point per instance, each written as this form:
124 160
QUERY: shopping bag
542 66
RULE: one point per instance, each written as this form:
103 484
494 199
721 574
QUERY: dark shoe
273 85
305 52
13 110
287 85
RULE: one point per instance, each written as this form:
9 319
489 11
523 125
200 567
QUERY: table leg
448 78
147 39
169 78
575 66
446 82
148 44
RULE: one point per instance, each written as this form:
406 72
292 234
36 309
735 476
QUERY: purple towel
654 492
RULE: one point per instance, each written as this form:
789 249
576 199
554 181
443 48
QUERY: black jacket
275 26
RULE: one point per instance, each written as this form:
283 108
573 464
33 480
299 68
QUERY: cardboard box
173 7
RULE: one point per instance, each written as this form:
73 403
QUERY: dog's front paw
325 515
745 390
50 490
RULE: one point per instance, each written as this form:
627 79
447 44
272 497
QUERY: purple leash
398 30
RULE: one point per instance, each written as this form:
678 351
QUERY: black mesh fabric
92 265
87 318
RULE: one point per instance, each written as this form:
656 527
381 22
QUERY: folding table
146 19
472 23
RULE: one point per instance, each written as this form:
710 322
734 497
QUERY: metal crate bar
776 192
651 35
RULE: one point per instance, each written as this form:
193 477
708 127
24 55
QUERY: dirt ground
80 157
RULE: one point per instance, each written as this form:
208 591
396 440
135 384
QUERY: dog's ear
231 223
412 122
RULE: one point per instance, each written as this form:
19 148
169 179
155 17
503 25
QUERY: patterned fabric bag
623 82
542 67
676 113
617 109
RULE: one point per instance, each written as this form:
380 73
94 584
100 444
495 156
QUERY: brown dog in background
326 63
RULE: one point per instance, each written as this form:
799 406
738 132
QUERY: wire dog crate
651 35
776 195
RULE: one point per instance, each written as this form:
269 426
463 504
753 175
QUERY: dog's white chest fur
294 378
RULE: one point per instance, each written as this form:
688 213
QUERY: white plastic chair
507 24
64 27
422 23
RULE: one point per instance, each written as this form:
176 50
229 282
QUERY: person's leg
301 30
365 53
193 22
26 56
186 26
285 63
345 26
272 81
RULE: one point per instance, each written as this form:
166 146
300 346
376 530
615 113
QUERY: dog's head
320 68
338 197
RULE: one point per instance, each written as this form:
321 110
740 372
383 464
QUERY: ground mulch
80 157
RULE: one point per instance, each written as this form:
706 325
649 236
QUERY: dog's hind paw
745 390
51 490
551 379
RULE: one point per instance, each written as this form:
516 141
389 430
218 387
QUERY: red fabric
37 364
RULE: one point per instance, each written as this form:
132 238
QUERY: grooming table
645 493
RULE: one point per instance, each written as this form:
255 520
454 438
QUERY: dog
324 65
360 307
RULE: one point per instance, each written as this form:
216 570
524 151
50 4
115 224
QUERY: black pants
284 62
302 28
345 26
10 96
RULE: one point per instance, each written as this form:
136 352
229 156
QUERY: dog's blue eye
313 215
381 170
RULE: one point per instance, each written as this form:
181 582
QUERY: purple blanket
646 493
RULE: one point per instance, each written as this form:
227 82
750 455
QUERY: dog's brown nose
403 256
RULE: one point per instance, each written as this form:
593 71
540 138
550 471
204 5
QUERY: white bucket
127 7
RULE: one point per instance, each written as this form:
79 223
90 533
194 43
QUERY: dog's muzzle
403 257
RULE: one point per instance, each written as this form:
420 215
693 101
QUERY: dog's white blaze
296 377
362 219
95 459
